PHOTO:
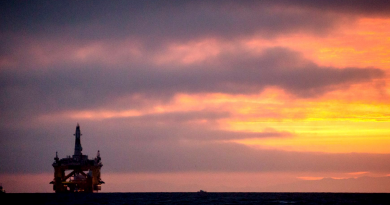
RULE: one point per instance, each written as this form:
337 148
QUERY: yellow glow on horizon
310 178
326 136
358 173
339 144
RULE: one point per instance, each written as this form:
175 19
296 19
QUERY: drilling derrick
84 174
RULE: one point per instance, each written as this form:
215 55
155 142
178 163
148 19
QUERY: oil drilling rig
84 174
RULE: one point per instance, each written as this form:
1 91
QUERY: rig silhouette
77 180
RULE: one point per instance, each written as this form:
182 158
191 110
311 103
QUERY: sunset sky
278 95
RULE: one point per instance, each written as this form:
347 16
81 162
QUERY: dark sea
197 198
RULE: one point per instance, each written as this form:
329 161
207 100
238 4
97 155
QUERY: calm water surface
197 198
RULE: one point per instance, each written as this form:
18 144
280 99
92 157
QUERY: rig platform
84 173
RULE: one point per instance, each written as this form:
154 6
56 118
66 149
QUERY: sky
282 95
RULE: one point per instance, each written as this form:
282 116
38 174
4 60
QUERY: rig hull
77 173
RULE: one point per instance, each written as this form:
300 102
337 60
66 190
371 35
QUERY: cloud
214 157
187 19
379 8
180 20
72 87
76 56
127 146
157 22
43 138
186 126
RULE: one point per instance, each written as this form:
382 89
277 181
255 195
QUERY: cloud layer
75 87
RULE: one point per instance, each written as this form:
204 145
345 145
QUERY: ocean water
197 198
